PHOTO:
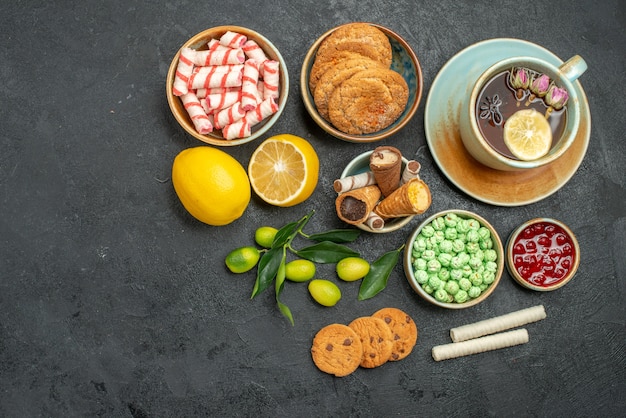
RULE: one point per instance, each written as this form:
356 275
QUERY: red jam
543 254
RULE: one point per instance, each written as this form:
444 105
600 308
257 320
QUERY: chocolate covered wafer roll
355 206
386 164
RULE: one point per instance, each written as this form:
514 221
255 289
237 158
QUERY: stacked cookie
351 81
369 341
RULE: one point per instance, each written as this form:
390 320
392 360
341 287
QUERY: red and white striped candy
239 129
228 115
233 39
217 90
266 108
197 114
219 57
254 51
270 79
219 101
249 93
217 76
183 72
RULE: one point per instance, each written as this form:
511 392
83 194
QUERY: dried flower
540 85
556 97
519 78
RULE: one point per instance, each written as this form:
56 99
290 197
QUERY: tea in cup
522 112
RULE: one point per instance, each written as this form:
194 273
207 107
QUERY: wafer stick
497 324
374 221
411 170
354 182
480 345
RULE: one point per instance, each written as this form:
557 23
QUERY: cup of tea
522 113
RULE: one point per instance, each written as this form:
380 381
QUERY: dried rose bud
556 97
519 78
540 85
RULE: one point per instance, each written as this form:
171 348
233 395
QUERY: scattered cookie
337 350
369 341
403 329
376 339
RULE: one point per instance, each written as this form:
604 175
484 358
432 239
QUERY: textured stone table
115 302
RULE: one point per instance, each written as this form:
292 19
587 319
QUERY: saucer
441 119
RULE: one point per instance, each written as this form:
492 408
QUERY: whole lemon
211 185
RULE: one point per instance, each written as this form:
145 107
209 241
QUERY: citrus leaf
279 286
376 280
267 270
336 235
326 252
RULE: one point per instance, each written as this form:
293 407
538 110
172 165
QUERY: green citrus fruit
352 268
324 292
264 236
299 270
242 259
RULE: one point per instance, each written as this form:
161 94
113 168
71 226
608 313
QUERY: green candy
461 296
441 295
474 292
421 276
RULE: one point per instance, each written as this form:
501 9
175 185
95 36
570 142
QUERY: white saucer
441 117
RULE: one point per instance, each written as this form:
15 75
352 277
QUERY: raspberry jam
543 254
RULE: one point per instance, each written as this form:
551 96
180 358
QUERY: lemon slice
527 134
283 170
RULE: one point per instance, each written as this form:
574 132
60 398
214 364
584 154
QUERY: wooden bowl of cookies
200 94
361 82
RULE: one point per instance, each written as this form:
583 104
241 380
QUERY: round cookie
368 101
403 329
362 34
325 62
337 350
336 75
376 339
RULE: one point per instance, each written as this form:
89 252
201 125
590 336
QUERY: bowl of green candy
454 259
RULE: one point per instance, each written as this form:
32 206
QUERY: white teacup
562 76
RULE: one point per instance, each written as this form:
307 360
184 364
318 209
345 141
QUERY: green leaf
376 280
284 234
326 252
280 285
267 269
336 235
287 233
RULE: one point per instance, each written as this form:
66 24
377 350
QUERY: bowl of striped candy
227 85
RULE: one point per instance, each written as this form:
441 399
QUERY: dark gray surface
115 302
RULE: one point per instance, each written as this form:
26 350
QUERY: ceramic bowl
360 164
542 254
404 61
413 250
199 42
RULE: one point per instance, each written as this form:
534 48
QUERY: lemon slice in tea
527 134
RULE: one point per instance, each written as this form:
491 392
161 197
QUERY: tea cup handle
573 68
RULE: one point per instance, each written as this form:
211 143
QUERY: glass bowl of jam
542 254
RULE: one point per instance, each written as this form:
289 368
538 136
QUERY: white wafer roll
480 345
354 182
498 323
